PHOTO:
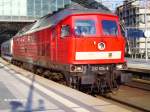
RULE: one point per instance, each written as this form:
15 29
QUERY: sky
111 4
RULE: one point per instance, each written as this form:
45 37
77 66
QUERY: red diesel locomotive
86 45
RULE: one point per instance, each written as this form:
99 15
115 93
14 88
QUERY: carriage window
85 27
65 31
109 27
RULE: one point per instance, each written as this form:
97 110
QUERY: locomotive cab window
109 27
65 31
85 27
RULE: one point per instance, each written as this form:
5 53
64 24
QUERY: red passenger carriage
84 44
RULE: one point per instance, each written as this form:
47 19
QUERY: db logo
101 46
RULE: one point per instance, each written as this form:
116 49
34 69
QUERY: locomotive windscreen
109 27
85 27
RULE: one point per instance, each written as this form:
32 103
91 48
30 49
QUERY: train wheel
100 84
46 73
39 71
72 80
105 83
112 81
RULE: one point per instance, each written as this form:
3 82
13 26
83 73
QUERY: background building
15 14
28 10
132 13
111 4
135 16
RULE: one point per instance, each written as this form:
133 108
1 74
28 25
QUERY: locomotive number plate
97 68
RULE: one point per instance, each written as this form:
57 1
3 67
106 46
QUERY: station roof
9 26
56 16
91 4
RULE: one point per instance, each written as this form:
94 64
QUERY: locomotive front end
99 50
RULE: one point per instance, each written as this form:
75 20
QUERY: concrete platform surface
23 91
138 65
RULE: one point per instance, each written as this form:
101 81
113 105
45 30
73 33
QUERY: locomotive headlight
101 46
76 68
121 66
79 68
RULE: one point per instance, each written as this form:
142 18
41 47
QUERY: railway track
134 97
134 93
139 83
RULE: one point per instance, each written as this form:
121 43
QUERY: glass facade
26 10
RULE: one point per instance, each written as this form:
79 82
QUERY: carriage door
54 45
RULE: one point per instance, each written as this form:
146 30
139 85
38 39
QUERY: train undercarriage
100 82
99 79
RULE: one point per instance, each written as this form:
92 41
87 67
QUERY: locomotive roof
52 19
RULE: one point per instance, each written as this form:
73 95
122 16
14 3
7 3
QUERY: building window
38 8
45 7
30 8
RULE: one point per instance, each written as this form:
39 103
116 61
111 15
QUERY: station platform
138 65
23 91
